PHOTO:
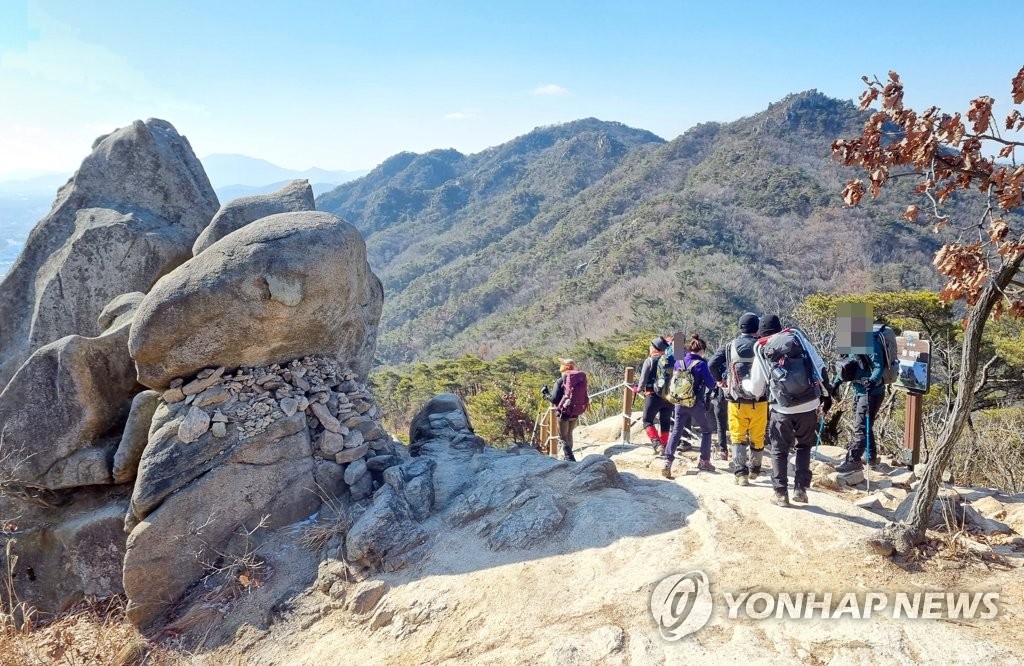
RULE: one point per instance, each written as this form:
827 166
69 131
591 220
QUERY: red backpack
574 399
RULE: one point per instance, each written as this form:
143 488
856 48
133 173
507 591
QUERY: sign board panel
915 356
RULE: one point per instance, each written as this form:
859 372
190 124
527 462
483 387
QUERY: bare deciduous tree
981 265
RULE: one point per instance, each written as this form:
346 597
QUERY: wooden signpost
915 378
627 405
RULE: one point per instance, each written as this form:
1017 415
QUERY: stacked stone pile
341 415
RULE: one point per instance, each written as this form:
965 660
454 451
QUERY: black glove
545 391
826 402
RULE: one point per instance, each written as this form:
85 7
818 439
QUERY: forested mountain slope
591 228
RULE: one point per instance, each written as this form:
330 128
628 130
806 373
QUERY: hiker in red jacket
570 400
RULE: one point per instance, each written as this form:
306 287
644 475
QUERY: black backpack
790 372
887 337
851 368
739 358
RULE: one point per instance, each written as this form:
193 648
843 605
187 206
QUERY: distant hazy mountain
228 192
18 214
33 187
241 170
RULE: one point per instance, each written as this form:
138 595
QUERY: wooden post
912 430
627 406
542 431
553 432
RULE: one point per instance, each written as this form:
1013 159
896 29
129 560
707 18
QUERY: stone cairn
342 416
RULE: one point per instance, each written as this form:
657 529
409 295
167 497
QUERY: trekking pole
867 447
821 429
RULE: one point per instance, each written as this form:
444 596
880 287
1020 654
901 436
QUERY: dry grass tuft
93 632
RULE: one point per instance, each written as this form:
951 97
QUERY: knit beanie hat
749 323
770 325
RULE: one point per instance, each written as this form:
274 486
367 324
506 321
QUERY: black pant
786 432
565 428
720 408
863 406
656 407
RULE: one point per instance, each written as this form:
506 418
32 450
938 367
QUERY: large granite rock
283 287
172 547
68 546
443 419
135 436
169 464
386 531
129 215
293 197
61 412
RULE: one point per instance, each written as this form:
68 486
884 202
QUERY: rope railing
607 390
547 419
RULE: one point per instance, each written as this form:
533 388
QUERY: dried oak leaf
853 192
1017 88
980 113
998 230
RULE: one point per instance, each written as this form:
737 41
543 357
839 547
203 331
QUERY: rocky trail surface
581 593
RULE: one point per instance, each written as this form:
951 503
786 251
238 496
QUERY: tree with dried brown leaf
981 266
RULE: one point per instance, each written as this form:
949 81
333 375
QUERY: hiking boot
781 499
666 472
705 466
850 466
800 495
659 451
722 454
877 465
741 480
754 473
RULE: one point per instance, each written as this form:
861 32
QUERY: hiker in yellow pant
747 423
748 414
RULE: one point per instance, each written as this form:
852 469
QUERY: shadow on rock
457 506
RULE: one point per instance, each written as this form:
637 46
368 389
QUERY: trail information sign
915 356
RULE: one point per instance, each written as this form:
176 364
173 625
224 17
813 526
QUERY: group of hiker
767 385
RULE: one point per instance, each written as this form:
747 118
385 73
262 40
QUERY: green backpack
681 388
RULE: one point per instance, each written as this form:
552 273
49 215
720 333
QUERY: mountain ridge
589 229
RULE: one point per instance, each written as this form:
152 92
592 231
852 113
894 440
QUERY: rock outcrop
230 451
294 197
282 287
60 413
129 215
68 546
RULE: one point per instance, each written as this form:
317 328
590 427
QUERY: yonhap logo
681 604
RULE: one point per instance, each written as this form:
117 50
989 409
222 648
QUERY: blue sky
343 85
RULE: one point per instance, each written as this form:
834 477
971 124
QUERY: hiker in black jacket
655 407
